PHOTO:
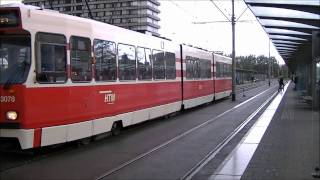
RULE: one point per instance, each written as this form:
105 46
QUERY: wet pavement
235 165
282 144
290 147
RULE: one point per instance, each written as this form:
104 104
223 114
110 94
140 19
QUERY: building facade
137 15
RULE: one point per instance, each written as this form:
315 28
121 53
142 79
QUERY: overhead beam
285 48
286 32
285 42
304 30
285 45
300 7
310 22
290 38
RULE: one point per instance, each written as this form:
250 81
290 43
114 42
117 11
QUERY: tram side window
170 62
127 62
189 67
106 65
223 67
80 59
144 64
219 69
208 69
158 64
226 70
229 70
205 67
51 61
196 69
223 70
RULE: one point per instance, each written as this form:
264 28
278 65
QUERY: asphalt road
108 158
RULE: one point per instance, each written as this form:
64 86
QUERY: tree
258 64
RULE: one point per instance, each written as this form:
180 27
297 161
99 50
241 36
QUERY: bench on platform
307 99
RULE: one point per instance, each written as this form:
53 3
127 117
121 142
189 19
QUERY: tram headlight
12 115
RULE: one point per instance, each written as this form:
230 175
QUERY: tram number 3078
7 99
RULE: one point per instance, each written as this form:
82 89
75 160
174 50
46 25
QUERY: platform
288 149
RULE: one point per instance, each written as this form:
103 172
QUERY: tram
65 78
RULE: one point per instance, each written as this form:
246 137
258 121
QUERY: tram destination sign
9 18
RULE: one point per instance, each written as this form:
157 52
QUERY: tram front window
15 52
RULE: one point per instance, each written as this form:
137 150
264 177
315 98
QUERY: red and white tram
223 76
65 78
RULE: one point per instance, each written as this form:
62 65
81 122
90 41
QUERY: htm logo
109 96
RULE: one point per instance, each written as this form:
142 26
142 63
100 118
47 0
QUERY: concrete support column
302 73
315 60
315 87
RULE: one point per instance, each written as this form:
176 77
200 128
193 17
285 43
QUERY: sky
182 20
201 23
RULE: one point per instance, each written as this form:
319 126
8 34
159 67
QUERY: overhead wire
206 22
220 10
238 19
241 14
183 9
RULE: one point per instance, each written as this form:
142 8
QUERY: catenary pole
269 64
233 55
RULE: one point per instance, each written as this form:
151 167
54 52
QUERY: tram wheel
116 128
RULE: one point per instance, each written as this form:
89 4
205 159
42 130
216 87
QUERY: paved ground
290 147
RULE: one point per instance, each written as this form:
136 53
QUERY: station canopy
289 24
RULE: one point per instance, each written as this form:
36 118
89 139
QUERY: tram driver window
51 66
80 59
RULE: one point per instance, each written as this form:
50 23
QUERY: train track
224 142
209 156
29 156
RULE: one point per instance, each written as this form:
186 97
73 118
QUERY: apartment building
137 15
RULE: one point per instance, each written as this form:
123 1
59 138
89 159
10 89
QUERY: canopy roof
289 24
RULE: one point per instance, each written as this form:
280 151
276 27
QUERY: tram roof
289 25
